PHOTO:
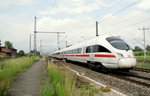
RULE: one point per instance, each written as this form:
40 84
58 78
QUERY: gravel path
28 83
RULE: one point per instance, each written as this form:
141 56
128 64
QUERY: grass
87 90
143 65
4 58
10 68
47 91
141 58
64 83
142 62
141 53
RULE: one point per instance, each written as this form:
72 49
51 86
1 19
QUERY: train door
89 51
92 54
91 57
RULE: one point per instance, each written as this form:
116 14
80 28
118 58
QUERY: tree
137 48
148 48
21 53
8 44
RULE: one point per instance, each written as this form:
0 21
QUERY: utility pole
30 41
144 40
35 50
66 44
58 40
30 44
40 46
35 31
97 29
55 33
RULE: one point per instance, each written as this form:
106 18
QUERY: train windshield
118 43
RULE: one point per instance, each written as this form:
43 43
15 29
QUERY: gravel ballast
126 87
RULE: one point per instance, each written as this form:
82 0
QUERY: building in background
7 52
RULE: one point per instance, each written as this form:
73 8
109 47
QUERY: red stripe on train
78 55
87 55
82 55
110 56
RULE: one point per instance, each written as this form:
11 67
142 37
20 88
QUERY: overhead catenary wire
53 5
63 39
119 11
124 20
121 28
91 21
102 12
49 14
109 8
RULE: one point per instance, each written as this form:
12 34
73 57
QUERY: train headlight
120 55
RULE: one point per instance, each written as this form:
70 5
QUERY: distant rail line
142 70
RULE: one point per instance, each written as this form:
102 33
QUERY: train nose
127 63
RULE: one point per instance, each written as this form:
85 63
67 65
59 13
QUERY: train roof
78 45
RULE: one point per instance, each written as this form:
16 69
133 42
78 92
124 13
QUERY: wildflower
105 88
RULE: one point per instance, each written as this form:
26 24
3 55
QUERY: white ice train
102 52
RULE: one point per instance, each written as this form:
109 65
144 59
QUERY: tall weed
64 83
10 68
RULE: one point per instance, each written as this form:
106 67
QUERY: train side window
79 50
98 48
84 50
88 49
75 51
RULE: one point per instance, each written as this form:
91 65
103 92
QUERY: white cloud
74 28
74 7
145 5
18 34
82 25
6 3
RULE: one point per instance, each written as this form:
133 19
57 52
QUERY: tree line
137 48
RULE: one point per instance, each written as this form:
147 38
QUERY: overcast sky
76 18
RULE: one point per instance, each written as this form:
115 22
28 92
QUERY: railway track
127 81
136 75
131 83
127 76
134 78
142 70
